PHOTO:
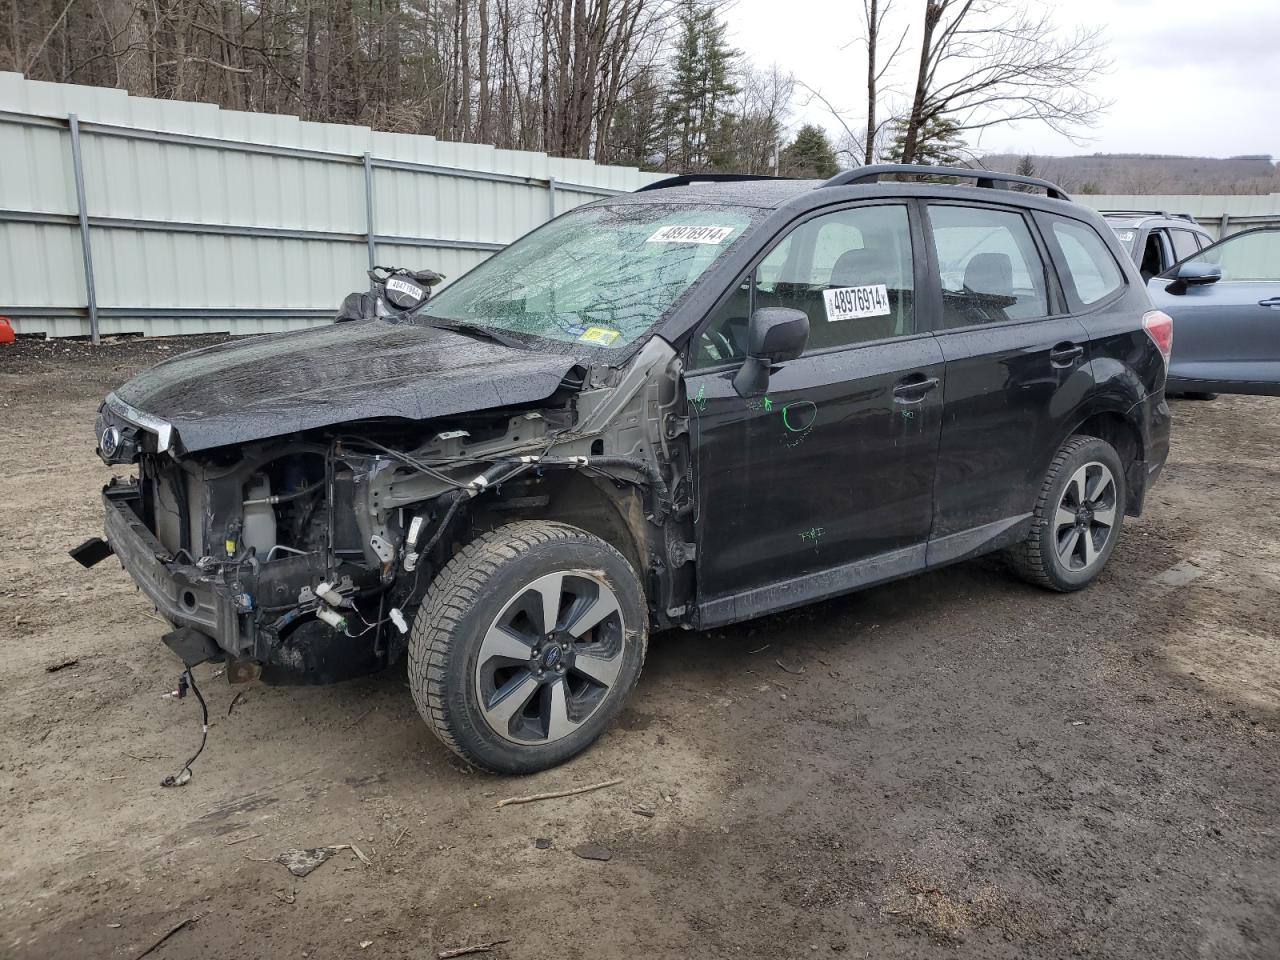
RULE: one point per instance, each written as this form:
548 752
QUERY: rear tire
527 644
1077 517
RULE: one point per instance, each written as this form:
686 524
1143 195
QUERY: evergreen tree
809 155
636 135
698 117
1026 168
939 143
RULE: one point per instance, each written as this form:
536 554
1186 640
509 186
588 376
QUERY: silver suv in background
1157 240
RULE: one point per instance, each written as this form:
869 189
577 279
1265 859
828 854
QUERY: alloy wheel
550 658
1086 516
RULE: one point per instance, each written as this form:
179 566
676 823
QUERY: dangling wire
188 679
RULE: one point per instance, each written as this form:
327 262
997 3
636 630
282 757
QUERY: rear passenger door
1011 354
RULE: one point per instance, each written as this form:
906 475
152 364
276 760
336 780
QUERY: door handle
1273 302
913 388
1065 354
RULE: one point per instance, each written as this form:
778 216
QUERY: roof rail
1149 213
1136 213
686 178
985 178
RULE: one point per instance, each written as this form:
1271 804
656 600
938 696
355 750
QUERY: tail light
1159 327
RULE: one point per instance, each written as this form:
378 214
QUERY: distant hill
1149 173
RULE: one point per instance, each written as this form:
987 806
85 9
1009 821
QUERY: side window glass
1184 244
779 268
989 265
851 271
1089 270
1246 256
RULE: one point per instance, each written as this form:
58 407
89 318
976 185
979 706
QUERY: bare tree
875 12
987 62
761 109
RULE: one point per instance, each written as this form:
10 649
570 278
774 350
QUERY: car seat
862 267
988 289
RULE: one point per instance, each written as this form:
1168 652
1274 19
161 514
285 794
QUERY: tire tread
453 592
1027 557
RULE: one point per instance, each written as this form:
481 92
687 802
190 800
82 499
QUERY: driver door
1226 335
826 482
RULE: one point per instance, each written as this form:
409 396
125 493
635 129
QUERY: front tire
1077 517
526 645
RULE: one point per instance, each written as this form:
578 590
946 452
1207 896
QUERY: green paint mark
801 410
700 401
768 404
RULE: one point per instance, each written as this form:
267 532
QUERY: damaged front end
302 558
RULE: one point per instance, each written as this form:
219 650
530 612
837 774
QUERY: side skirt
846 578
977 540
798 591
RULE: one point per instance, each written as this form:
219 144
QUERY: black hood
282 383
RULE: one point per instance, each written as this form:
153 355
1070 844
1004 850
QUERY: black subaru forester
706 401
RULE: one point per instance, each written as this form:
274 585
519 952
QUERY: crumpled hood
282 383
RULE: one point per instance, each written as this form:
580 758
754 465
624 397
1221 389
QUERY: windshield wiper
475 330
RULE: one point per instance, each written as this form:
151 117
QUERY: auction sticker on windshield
601 335
850 303
677 234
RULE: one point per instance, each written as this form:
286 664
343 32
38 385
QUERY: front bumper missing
183 594
202 606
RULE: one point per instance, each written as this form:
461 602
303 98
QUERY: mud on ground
965 767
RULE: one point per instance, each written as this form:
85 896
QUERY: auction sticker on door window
601 335
678 234
850 303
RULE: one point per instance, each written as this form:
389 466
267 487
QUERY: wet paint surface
281 383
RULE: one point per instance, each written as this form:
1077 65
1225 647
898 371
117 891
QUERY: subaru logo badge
552 657
109 442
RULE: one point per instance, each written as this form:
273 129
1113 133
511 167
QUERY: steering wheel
723 346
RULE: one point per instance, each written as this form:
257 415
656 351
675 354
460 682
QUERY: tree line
652 83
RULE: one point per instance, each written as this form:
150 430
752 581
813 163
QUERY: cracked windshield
599 276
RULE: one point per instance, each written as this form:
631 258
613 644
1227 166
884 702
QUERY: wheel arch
1121 430
614 514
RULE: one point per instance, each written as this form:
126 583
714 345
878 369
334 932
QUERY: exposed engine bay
303 557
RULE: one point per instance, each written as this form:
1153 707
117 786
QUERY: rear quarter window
1088 270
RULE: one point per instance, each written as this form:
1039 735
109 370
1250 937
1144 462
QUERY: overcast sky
1188 77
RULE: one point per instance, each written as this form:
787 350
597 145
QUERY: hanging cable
187 678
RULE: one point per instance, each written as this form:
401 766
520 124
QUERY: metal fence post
368 208
551 198
1222 226
77 166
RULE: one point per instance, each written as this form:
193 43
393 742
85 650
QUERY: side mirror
774 335
1194 273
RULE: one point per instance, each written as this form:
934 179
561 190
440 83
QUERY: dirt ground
958 765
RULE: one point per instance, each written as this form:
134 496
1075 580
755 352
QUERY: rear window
1128 237
1088 269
